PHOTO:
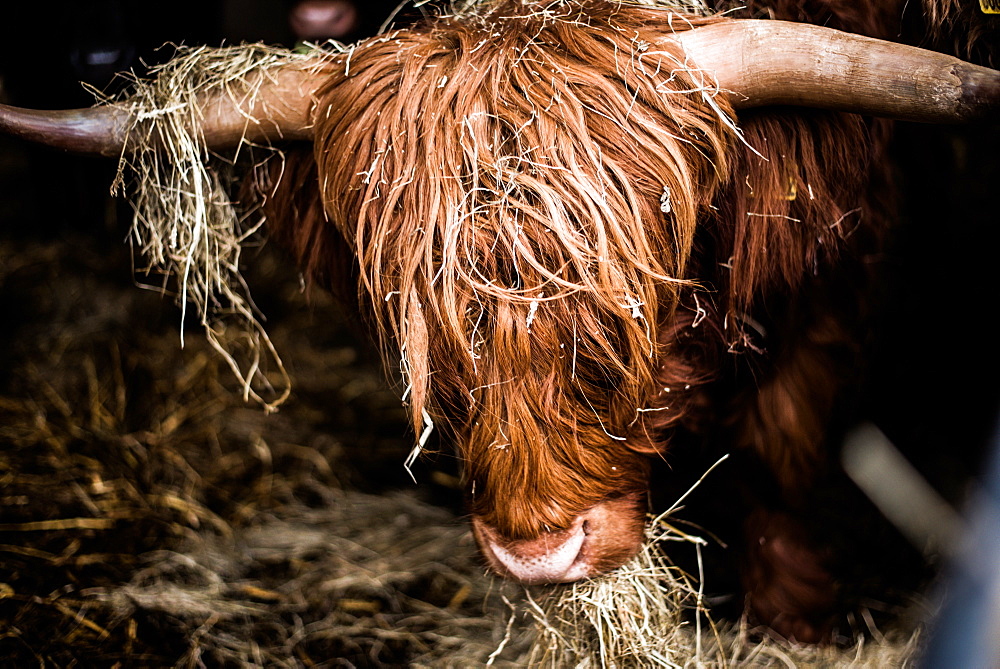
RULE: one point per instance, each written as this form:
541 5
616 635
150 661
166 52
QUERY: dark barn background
116 445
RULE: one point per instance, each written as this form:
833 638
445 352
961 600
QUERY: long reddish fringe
559 235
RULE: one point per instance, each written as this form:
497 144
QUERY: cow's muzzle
598 540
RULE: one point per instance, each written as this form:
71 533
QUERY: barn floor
149 517
152 518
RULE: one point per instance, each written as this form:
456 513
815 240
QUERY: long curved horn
278 108
760 62
99 130
756 63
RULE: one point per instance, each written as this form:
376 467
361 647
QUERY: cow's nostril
586 527
549 558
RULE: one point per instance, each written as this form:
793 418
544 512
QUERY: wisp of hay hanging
186 223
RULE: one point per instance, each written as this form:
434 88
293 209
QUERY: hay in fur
187 224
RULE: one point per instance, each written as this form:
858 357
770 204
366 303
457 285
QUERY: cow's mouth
600 539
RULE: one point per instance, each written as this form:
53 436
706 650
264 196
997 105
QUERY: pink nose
600 539
554 557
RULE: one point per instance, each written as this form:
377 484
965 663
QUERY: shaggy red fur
561 238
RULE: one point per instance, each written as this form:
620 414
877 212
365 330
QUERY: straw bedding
150 517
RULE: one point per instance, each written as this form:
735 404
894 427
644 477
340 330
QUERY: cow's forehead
519 244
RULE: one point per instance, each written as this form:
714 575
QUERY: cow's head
521 189
522 214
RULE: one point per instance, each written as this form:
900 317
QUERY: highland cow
585 228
